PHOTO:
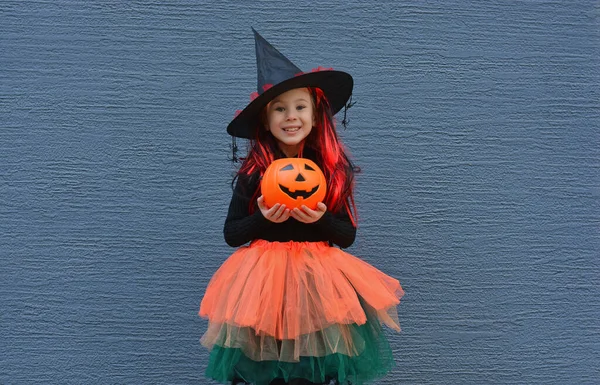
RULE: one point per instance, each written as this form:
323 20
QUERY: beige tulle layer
287 290
343 339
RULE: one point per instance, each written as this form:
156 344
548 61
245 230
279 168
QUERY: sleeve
240 226
338 228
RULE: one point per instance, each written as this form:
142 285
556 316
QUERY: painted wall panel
476 126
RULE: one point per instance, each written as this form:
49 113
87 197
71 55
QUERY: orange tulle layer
292 290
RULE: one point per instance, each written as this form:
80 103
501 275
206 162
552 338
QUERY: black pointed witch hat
276 75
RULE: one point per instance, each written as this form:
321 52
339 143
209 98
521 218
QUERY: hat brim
336 85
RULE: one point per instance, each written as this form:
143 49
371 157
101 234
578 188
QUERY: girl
290 308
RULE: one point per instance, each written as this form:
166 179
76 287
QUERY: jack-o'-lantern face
293 182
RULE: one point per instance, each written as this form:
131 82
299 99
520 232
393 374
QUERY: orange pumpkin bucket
293 182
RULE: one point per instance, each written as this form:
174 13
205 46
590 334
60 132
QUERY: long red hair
331 156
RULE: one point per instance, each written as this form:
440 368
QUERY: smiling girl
290 307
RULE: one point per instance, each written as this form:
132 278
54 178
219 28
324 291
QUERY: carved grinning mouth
299 193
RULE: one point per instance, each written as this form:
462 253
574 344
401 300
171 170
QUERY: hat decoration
276 74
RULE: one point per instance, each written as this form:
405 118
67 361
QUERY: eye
289 167
279 109
299 108
307 167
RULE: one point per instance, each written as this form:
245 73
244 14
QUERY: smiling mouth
298 193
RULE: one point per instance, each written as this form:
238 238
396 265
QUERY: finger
285 216
273 210
293 213
321 207
295 216
308 211
279 211
311 214
261 202
300 215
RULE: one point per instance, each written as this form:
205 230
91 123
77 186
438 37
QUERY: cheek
313 118
271 121
275 117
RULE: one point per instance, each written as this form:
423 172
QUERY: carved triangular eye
288 167
307 167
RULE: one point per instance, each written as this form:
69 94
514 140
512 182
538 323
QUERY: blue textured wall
476 126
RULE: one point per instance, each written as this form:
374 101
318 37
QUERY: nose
291 115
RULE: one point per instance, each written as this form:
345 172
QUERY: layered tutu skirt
298 310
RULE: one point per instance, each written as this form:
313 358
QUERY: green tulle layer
373 361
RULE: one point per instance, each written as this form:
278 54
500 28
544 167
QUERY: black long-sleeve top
242 227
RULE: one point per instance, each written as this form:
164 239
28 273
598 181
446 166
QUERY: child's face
290 119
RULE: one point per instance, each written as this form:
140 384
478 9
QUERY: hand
306 215
277 214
